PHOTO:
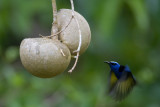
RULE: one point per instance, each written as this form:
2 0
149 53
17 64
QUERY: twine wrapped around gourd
49 56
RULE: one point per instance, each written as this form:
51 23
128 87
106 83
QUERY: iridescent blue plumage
121 81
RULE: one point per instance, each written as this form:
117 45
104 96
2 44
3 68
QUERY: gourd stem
54 29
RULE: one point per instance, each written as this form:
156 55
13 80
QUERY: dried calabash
70 36
44 57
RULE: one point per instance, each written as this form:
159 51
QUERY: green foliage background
127 31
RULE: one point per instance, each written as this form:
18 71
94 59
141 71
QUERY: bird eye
113 63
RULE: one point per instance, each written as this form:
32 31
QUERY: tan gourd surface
43 58
70 36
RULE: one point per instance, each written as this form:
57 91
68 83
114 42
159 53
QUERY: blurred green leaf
139 10
110 13
146 76
12 53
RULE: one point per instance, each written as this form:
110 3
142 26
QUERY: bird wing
112 80
123 86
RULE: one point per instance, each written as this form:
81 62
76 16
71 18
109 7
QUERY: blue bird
121 81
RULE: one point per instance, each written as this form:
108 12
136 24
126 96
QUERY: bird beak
106 62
